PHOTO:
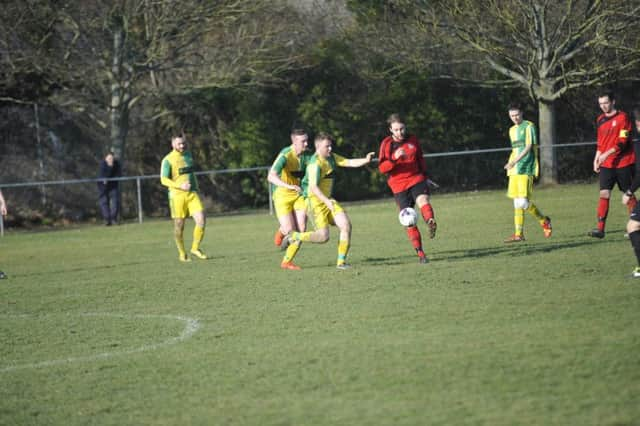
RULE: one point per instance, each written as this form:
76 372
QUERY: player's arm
385 163
357 162
624 136
529 138
274 174
519 157
165 177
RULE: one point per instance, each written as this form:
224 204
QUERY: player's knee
323 235
633 226
520 203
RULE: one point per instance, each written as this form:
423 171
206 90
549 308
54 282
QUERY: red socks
427 212
414 236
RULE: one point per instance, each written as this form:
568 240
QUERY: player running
176 173
291 210
318 183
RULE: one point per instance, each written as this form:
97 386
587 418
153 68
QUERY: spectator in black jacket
109 190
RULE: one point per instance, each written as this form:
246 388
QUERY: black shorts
635 214
623 177
408 198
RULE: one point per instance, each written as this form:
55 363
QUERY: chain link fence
63 202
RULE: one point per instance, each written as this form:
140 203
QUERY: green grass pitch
104 325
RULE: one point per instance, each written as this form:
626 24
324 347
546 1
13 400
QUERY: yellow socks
291 251
518 220
533 210
301 236
343 249
198 234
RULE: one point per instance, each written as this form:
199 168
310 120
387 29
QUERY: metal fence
139 179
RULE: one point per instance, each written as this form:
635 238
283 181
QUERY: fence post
139 193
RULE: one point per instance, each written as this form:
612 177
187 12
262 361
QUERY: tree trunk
547 125
120 93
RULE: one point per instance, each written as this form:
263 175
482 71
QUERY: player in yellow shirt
291 209
522 167
318 185
177 174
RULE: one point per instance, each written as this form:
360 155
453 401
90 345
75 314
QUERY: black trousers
110 204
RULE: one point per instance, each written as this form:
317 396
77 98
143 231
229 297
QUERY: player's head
515 112
396 127
607 101
299 140
636 117
324 144
179 143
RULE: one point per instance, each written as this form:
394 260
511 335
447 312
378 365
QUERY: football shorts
322 216
520 186
286 202
184 204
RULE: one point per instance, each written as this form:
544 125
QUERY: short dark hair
515 106
322 136
608 93
298 131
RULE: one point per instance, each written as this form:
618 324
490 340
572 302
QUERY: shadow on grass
525 248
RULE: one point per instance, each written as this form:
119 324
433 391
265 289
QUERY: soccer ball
408 217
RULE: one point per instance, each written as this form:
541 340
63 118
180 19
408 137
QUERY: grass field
104 325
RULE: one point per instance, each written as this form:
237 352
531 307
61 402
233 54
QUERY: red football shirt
615 132
402 172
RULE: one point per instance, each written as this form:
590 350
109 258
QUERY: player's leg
291 247
420 193
533 210
404 200
284 207
625 177
607 180
517 191
633 228
300 220
341 220
178 229
178 207
195 206
323 219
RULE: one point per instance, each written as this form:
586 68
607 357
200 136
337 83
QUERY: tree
547 47
106 56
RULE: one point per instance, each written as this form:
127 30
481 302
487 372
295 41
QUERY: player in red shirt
614 159
633 226
401 159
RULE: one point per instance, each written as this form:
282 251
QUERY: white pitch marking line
191 327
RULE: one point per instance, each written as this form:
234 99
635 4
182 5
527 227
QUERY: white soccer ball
408 217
